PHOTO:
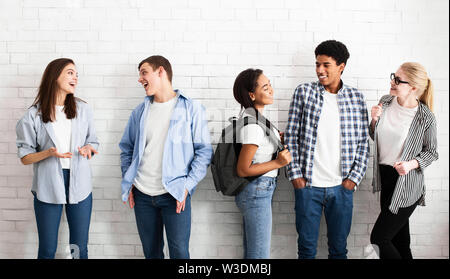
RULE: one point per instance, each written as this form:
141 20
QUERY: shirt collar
341 90
177 91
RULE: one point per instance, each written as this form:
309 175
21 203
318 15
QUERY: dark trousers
391 231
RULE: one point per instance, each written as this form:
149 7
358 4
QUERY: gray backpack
224 163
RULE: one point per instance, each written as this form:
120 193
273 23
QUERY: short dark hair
246 82
335 49
157 61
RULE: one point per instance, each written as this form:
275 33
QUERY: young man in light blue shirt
166 151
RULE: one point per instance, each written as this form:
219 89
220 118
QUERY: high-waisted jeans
255 204
48 217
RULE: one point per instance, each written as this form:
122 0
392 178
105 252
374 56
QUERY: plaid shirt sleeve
292 133
360 163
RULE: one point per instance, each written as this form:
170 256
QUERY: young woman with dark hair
57 136
252 89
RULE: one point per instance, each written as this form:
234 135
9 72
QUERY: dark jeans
153 214
391 231
48 217
337 204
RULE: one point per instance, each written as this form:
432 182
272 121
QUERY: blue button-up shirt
301 131
33 135
187 149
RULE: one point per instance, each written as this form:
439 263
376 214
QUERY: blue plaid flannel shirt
301 131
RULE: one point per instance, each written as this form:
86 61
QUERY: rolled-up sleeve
26 140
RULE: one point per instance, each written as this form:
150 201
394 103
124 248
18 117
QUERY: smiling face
150 79
263 94
328 72
68 79
401 90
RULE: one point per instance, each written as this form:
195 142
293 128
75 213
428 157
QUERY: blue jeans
337 204
153 213
48 217
255 204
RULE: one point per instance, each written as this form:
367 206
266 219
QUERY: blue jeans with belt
255 204
337 204
153 214
48 217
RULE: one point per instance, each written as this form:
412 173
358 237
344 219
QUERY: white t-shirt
63 132
255 134
326 170
392 131
149 175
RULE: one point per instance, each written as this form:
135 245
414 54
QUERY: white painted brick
217 14
17 215
245 14
208 44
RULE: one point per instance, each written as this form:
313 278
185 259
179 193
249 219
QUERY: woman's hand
376 112
53 152
284 157
42 155
405 166
86 151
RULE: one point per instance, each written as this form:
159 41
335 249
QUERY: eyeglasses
397 80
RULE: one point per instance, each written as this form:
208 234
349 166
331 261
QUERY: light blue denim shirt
33 135
187 149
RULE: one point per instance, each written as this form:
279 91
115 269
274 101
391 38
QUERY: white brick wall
209 43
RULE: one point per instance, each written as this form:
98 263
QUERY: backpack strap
230 132
265 124
267 127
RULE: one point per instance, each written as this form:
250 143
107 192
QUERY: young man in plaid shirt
327 134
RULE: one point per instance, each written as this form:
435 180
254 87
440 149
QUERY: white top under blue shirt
62 127
149 175
187 148
33 135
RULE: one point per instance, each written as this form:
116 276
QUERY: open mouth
72 84
321 77
145 85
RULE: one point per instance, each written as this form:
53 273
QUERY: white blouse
392 131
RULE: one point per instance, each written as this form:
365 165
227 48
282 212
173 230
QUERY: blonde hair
418 78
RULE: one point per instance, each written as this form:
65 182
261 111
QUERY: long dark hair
47 93
246 82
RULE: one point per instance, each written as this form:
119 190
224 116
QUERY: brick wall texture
208 43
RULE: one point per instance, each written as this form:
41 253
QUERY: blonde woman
403 128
